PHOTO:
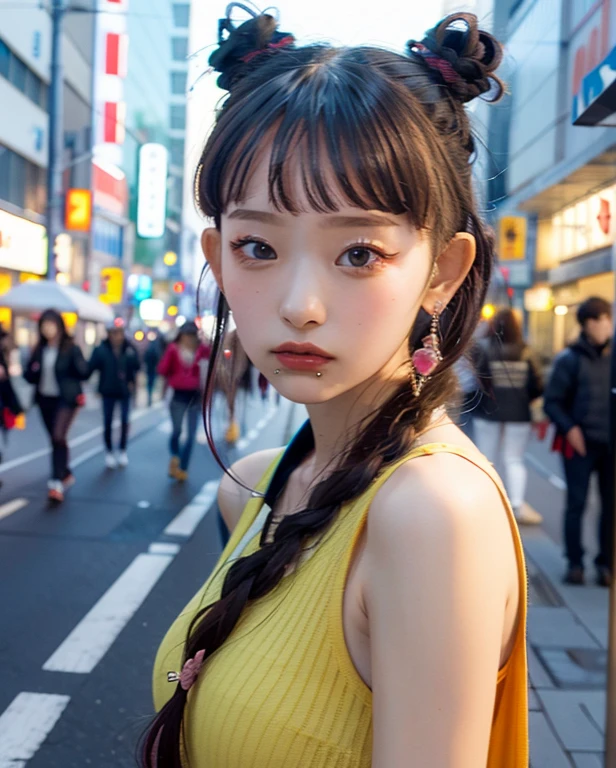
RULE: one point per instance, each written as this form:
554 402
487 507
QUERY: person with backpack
577 402
511 380
117 362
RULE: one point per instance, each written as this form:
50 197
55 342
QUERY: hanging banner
512 238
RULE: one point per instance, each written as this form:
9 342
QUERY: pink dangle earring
425 361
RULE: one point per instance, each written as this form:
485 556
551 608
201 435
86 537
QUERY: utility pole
55 186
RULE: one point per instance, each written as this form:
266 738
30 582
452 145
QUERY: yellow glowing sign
6 318
139 335
172 311
5 283
512 238
78 210
488 311
70 320
25 276
112 285
170 259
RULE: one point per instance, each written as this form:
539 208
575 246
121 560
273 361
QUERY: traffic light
179 287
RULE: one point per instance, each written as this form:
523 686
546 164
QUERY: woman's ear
211 246
450 271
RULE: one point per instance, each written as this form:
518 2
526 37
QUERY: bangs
354 138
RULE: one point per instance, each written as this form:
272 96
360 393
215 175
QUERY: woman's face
50 330
189 341
349 283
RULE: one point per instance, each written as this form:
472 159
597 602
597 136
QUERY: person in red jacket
180 367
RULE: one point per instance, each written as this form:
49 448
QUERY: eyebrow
331 222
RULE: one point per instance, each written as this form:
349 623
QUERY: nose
303 305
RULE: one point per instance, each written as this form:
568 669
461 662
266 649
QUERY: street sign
512 238
78 214
112 285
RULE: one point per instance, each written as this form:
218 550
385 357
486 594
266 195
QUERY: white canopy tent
39 295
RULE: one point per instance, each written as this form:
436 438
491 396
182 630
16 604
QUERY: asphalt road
88 589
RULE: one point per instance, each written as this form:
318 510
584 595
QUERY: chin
306 392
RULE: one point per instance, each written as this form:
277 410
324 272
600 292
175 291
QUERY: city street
89 588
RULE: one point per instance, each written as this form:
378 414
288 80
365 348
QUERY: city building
559 175
25 40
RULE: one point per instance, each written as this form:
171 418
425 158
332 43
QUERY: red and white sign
116 54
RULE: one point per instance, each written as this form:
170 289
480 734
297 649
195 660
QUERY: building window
21 182
179 47
181 15
177 152
17 73
22 77
5 59
178 83
178 117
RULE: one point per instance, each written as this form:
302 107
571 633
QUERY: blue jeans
109 404
189 404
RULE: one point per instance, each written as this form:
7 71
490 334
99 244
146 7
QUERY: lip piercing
277 371
319 374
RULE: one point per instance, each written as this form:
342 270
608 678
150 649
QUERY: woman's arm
167 364
440 565
232 498
80 366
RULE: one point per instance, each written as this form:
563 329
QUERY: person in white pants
511 380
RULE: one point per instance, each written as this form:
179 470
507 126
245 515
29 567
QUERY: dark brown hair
505 328
391 129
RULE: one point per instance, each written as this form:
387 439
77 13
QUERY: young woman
180 367
369 608
57 368
511 378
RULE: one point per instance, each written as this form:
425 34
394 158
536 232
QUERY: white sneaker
110 461
526 515
122 459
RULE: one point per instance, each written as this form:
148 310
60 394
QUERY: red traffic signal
179 287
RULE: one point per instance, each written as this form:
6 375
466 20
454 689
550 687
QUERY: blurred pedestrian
470 395
577 402
234 376
117 363
56 368
511 379
181 368
151 359
10 406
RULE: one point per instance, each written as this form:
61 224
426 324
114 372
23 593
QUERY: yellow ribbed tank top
283 692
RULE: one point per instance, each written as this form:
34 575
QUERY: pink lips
301 357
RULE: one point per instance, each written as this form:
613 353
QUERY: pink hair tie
450 75
190 672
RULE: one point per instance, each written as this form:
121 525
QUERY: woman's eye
254 249
358 256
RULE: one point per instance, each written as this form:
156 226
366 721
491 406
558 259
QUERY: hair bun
464 49
255 36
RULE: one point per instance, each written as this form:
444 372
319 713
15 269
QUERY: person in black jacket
56 368
577 402
10 407
510 377
117 362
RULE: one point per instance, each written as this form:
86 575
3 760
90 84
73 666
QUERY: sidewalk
567 638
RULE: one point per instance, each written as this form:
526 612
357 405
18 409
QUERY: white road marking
242 444
83 457
252 435
553 479
25 725
558 482
12 506
186 521
163 548
165 427
96 632
135 416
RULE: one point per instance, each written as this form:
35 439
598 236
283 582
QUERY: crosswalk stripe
12 506
25 725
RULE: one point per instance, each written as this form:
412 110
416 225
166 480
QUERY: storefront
573 262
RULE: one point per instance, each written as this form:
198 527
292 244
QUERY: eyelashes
262 251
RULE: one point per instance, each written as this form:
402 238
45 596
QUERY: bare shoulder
445 502
232 498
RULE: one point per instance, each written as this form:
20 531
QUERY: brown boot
174 466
